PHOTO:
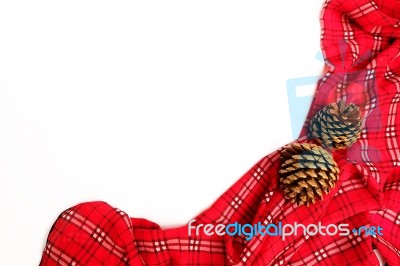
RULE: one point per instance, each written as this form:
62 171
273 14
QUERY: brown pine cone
337 125
307 171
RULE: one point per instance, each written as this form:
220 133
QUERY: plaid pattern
361 45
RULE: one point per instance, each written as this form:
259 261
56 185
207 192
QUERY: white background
156 107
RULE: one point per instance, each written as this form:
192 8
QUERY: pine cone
307 171
337 125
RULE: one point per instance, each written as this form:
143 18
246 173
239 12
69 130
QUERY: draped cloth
360 41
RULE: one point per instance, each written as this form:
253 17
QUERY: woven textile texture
361 44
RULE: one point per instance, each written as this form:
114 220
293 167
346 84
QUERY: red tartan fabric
361 45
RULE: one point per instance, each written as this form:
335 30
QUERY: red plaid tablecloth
361 45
